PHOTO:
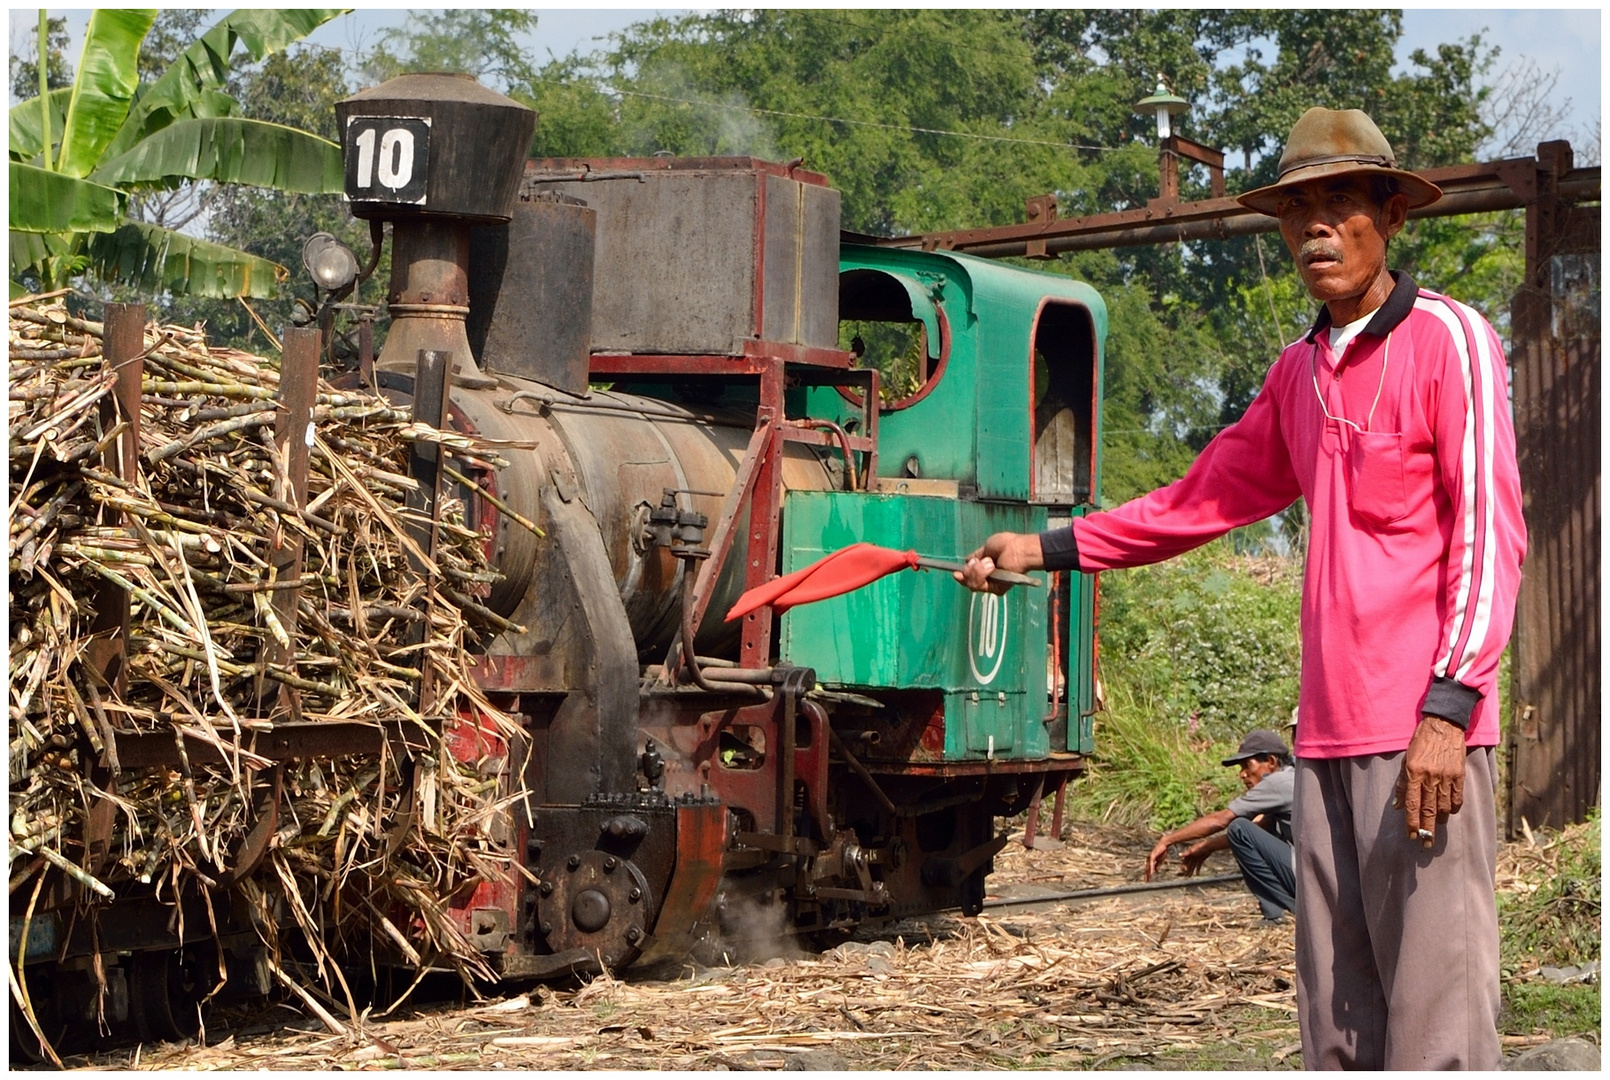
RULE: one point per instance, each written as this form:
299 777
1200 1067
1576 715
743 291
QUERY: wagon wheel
165 994
25 1046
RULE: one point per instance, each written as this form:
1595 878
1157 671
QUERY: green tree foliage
296 88
923 119
58 72
479 42
173 31
80 155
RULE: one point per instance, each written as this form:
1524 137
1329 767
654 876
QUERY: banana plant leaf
180 92
30 249
108 74
230 150
156 260
26 124
50 202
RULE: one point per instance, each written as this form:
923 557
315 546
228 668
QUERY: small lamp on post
1165 106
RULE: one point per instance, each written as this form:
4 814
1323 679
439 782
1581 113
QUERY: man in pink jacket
1390 418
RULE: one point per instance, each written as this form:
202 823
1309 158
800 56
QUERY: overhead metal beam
1467 189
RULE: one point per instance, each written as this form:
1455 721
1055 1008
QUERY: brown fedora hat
1336 142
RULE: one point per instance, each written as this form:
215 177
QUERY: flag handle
1007 576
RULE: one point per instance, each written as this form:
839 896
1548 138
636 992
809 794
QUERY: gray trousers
1397 946
1266 866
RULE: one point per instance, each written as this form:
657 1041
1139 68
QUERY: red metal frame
776 366
757 358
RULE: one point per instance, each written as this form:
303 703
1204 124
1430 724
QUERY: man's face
1255 769
1337 233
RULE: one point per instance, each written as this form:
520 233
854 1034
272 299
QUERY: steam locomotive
658 341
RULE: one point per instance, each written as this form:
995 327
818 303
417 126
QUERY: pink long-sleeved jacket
1404 452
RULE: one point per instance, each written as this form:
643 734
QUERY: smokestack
434 154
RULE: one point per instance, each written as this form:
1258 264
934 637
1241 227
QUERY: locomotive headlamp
1165 105
330 262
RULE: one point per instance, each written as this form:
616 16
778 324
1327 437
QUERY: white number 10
396 164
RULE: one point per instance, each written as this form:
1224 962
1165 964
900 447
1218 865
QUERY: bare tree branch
1522 113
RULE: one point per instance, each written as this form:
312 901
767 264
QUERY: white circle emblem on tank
986 635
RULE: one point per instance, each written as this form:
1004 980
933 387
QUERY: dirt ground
1179 979
1174 979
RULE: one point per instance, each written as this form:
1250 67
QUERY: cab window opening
1064 358
898 350
880 323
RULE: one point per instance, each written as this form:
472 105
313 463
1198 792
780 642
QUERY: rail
1113 890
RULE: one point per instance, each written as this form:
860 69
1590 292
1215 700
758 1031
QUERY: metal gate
1553 740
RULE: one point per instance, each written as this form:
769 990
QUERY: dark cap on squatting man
1259 741
1336 142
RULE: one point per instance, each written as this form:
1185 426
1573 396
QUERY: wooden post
124 351
1553 740
431 378
293 435
123 348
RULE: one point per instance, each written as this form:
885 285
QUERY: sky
1568 40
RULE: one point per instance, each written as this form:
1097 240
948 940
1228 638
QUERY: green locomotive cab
991 423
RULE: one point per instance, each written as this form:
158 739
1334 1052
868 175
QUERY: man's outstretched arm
1243 475
1206 825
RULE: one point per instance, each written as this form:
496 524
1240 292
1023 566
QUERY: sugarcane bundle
371 847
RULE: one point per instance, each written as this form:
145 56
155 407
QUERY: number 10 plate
387 158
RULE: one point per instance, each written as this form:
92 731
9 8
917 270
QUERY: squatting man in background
1390 419
1256 827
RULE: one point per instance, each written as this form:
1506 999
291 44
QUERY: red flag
841 572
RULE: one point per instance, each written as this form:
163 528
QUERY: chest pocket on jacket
1376 490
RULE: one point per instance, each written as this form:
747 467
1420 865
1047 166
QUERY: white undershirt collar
1342 336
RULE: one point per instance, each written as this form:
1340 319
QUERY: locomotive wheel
165 994
25 1046
596 902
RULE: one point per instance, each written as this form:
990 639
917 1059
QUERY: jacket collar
1387 316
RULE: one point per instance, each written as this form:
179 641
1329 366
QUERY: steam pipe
844 444
429 294
691 662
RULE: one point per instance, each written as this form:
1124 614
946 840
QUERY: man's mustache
1320 249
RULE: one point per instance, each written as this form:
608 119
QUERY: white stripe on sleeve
1468 462
1487 577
